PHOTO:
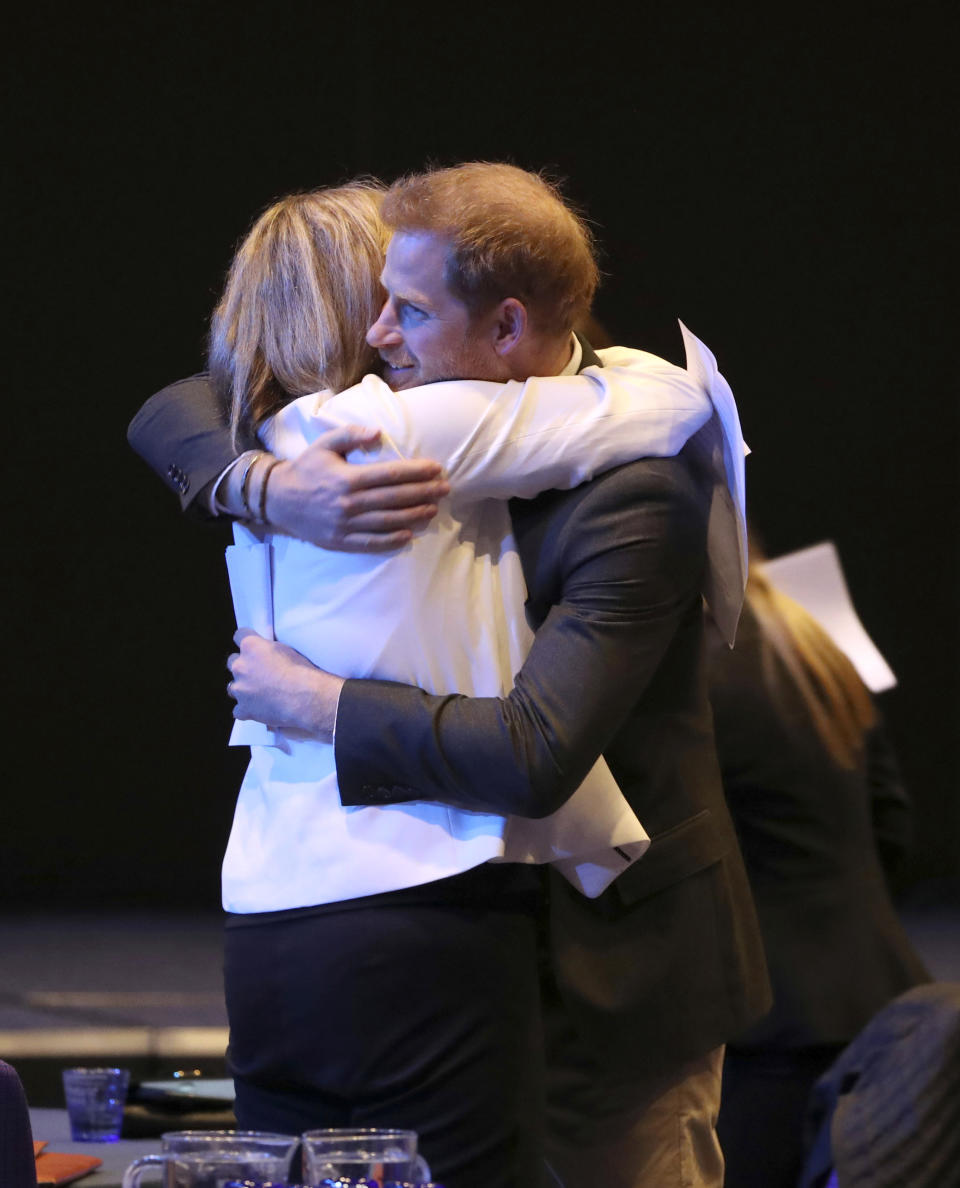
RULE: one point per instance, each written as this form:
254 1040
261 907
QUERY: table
53 1127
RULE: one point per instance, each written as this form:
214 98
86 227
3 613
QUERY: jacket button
178 478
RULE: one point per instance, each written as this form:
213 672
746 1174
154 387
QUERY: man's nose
384 331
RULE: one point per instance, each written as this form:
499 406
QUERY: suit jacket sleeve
183 434
630 563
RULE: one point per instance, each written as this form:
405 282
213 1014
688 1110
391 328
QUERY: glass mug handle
131 1177
419 1172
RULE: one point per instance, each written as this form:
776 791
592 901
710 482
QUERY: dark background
777 178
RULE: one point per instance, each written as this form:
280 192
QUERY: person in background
822 819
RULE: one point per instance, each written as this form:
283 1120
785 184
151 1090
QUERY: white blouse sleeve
516 439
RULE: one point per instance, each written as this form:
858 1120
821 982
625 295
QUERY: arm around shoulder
183 434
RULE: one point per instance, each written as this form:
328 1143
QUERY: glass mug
208 1158
373 1154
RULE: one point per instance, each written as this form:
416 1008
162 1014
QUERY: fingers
375 474
232 660
414 496
400 471
348 437
382 531
390 520
399 520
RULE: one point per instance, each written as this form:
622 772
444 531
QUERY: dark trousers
762 1109
418 1010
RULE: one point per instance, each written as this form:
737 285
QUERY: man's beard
406 371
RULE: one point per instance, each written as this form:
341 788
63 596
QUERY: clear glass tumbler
95 1100
369 1154
209 1158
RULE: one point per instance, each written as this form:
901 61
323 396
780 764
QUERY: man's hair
303 288
512 235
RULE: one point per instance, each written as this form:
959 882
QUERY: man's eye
412 313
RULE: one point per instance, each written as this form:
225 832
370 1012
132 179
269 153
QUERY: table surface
53 1127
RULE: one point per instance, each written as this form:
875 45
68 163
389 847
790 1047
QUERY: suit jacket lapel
590 356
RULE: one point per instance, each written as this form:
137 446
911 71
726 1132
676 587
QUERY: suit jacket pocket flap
674 855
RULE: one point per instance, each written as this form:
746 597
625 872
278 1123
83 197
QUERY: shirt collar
576 359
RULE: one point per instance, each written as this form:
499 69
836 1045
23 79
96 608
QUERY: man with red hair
486 275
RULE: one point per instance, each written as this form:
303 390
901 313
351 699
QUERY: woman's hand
275 685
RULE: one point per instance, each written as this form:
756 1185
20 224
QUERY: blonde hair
300 295
837 701
512 235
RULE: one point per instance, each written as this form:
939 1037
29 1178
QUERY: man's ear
509 326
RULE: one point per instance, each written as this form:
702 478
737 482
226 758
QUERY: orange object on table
54 1168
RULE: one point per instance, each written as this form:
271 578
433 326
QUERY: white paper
720 446
590 840
814 578
250 568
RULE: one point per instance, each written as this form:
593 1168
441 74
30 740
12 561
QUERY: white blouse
445 613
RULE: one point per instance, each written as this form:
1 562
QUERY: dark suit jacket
182 433
808 831
668 963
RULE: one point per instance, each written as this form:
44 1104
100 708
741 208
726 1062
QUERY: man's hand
321 498
275 685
